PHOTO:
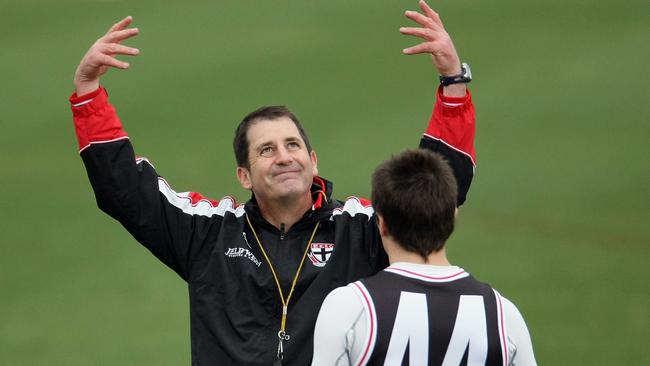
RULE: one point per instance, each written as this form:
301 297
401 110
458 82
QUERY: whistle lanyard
282 334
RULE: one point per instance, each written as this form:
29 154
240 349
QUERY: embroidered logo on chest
319 253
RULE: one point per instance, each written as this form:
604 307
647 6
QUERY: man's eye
293 146
266 151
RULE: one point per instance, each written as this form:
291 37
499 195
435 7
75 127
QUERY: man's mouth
286 172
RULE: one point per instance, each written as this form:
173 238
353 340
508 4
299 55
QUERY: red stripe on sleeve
95 121
369 346
504 343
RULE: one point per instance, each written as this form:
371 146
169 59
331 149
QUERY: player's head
275 160
241 143
414 193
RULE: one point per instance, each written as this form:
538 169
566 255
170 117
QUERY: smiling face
280 166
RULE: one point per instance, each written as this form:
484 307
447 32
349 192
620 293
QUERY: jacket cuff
95 119
453 124
448 101
77 100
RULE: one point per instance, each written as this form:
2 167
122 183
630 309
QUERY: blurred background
556 219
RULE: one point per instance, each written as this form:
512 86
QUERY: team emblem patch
319 253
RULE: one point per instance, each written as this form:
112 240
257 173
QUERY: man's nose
283 156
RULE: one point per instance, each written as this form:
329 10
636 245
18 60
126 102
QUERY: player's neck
283 214
397 254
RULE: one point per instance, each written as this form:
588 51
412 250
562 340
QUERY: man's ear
244 178
314 162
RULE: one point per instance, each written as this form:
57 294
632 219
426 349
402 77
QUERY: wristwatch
465 76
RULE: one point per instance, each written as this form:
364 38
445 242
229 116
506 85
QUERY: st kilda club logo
319 253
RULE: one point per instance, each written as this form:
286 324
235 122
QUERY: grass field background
557 217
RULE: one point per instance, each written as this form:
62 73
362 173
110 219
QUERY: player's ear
383 231
314 162
456 213
244 178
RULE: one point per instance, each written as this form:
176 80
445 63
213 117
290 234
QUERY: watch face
467 73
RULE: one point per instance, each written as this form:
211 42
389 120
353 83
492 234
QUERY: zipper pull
281 231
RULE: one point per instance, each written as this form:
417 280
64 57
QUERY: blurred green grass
556 218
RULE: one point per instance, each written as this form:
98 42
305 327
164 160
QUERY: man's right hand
101 56
438 43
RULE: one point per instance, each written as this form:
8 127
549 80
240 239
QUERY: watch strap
465 76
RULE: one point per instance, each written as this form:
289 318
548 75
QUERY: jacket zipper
282 232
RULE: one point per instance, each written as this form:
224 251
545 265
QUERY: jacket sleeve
451 133
173 226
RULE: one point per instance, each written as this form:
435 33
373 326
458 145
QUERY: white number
411 326
470 331
411 329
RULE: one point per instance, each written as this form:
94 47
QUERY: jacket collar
321 192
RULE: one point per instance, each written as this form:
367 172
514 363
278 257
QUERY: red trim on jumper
454 125
366 351
104 142
364 202
196 197
96 121
355 205
426 276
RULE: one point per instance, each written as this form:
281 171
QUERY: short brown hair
415 193
240 142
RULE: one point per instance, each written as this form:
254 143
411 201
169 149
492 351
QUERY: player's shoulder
342 296
341 305
513 318
508 306
520 346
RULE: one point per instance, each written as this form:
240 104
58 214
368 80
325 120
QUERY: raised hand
101 56
437 41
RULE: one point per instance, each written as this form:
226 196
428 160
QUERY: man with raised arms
257 272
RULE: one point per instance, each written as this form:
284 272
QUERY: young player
421 310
